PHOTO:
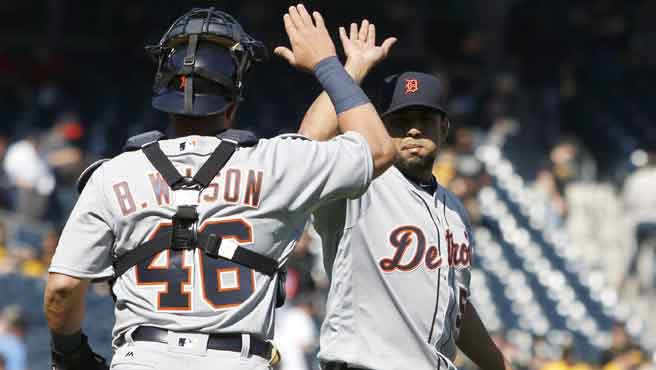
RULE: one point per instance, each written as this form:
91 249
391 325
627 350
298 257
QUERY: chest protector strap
183 234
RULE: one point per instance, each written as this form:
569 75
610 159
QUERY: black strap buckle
184 233
212 245
190 58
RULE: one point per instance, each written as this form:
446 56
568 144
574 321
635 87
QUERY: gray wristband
340 87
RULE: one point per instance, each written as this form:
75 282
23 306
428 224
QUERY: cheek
431 147
397 143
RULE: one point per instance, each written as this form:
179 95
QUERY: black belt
221 342
337 366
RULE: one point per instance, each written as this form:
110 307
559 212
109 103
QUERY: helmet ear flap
258 52
155 52
229 113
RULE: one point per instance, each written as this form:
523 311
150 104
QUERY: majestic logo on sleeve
410 250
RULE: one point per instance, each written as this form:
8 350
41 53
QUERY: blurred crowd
621 354
569 82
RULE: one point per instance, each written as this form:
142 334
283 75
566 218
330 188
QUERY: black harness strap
187 71
160 242
245 257
205 174
215 162
137 142
148 249
203 177
258 262
162 164
189 95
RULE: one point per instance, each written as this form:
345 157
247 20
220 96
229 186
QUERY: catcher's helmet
201 62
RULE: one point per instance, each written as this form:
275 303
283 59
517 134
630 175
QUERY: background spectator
296 334
12 332
31 176
640 207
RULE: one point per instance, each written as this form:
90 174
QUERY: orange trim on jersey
217 307
437 258
189 266
212 221
253 188
408 228
218 279
123 195
187 282
215 195
236 188
166 285
154 232
248 240
185 266
161 190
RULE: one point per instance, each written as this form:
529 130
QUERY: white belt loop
128 335
245 345
450 364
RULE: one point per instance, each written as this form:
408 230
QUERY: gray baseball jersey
399 260
261 200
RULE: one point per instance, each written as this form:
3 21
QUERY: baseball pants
184 351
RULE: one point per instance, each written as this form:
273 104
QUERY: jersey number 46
223 284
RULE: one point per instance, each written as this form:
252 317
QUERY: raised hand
309 39
361 50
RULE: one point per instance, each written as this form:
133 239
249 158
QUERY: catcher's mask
201 62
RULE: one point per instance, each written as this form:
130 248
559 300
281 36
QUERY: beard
416 167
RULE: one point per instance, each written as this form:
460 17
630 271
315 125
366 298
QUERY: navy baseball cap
411 89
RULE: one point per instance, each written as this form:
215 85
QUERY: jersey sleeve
464 275
85 245
317 173
331 221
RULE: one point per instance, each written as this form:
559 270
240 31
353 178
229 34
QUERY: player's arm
82 255
320 121
64 303
64 306
313 50
475 342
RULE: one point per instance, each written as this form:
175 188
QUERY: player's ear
445 126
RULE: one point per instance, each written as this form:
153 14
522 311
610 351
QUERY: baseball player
193 231
399 256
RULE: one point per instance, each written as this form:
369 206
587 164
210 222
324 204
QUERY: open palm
308 37
361 50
